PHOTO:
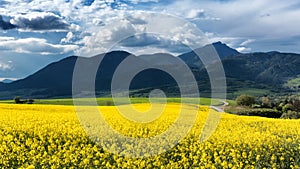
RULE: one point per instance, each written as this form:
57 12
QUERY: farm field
50 136
108 101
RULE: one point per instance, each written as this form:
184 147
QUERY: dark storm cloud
6 25
40 21
149 40
141 41
3 3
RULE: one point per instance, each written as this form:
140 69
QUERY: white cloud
5 66
243 49
247 21
233 22
243 19
165 31
68 37
94 28
98 26
247 42
198 15
195 13
106 37
34 45
142 1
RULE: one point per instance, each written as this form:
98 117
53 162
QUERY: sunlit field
108 101
50 136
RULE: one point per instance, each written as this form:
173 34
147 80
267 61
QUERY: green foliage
296 105
30 101
256 106
261 112
245 100
265 102
17 99
270 106
109 103
291 115
287 107
293 83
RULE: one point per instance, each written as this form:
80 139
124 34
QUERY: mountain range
255 73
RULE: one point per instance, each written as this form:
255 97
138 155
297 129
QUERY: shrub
291 115
245 100
272 113
30 101
296 105
108 103
18 100
287 107
265 102
256 106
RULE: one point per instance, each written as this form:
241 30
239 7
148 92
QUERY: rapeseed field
50 136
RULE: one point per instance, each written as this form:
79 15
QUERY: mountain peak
218 43
120 52
222 50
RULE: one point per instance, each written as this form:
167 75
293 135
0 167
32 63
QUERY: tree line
276 107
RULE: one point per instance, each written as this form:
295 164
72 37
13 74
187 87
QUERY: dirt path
220 108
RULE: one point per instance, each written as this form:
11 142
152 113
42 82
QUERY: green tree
265 101
17 99
245 100
287 107
296 105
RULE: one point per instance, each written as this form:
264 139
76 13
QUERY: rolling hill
269 68
259 73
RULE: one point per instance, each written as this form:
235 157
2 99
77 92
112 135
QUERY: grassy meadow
108 101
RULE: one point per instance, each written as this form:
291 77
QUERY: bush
272 113
265 102
245 100
256 106
18 100
30 101
296 105
287 107
291 115
108 103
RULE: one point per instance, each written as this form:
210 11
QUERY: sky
34 33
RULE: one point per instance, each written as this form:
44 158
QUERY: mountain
161 59
268 68
55 80
219 48
259 73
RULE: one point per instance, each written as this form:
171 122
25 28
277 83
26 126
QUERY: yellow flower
48 136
